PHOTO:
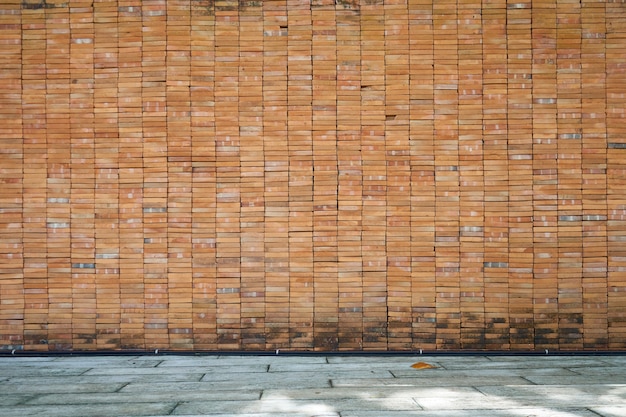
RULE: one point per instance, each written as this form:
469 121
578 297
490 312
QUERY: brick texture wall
312 175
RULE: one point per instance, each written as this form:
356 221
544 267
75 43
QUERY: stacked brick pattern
313 175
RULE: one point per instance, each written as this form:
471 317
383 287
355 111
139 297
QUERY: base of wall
160 352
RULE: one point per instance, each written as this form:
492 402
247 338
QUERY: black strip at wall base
159 352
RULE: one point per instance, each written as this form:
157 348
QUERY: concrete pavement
313 385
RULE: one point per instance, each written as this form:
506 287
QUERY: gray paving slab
556 358
606 393
436 380
298 408
28 360
520 412
578 379
90 410
15 369
370 394
299 377
516 362
13 399
611 370
610 411
344 366
239 360
450 361
290 414
182 387
112 361
247 382
117 377
224 381
309 407
60 387
552 397
115 370
377 359
476 402
408 372
615 359
144 397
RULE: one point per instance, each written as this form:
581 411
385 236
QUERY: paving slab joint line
442 366
158 364
174 408
477 388
124 385
27 399
571 369
595 412
526 379
417 403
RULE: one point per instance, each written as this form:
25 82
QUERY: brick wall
312 175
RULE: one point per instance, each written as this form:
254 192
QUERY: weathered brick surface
312 175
